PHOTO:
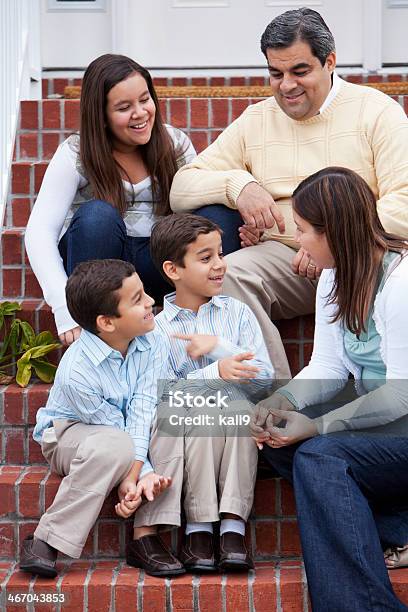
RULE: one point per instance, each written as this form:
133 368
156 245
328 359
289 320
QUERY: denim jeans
97 231
229 221
351 494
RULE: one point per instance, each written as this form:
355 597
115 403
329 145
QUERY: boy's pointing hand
198 344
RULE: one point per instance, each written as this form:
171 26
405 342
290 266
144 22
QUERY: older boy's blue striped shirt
231 320
94 384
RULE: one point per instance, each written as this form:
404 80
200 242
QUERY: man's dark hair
92 290
171 236
302 24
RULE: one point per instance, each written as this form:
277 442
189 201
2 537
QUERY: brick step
108 586
111 585
26 493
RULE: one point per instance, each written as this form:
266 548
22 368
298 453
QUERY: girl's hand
249 236
70 336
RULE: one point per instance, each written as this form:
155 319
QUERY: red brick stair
102 581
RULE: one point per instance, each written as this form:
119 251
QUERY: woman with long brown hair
350 476
105 186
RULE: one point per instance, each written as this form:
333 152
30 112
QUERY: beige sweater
362 129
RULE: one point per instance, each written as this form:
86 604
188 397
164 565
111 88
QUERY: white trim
76 5
200 3
397 4
372 35
19 66
295 3
120 26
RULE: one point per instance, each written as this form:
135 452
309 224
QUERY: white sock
193 527
235 525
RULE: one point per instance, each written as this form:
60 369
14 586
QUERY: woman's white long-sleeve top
329 367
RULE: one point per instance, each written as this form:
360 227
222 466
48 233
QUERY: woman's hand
70 336
298 427
303 265
262 416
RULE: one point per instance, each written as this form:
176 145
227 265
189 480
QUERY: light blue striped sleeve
150 367
250 340
89 406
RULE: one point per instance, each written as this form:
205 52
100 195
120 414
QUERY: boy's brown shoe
38 557
197 554
234 554
151 554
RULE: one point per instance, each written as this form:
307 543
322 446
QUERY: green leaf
11 339
40 351
23 372
14 335
44 370
9 308
44 337
27 333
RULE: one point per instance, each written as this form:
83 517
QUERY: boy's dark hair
171 236
91 290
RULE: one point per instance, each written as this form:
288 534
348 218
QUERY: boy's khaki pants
215 474
93 459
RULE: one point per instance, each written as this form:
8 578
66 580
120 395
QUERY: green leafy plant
22 350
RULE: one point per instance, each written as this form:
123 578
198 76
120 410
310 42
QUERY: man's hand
258 208
298 427
198 344
262 417
249 235
303 265
234 368
70 336
152 485
129 498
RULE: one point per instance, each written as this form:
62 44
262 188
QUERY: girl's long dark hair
100 167
339 203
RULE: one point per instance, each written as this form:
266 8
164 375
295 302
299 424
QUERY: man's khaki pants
215 474
93 459
261 276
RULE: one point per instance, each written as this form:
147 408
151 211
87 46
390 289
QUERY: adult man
313 121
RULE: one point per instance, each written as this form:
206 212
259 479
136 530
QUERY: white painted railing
20 75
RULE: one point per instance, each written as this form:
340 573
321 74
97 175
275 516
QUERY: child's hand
152 485
198 344
234 368
129 498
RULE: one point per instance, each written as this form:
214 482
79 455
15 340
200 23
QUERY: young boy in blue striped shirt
95 428
212 337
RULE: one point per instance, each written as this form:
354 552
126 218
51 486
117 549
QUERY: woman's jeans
228 220
97 231
351 495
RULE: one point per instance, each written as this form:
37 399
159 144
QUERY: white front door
226 33
212 33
